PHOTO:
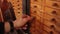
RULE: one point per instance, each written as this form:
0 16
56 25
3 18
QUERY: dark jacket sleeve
1 28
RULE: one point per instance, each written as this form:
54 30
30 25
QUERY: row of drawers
36 7
53 4
50 3
47 12
48 18
48 26
17 6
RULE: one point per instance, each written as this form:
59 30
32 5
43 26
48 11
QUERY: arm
17 23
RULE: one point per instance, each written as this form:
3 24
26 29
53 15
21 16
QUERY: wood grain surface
46 13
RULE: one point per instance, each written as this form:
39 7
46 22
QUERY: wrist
15 25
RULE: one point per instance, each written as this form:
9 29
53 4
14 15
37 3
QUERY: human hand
22 21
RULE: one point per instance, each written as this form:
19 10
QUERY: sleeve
1 28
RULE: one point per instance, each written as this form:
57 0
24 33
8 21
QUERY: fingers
24 27
22 21
29 18
24 16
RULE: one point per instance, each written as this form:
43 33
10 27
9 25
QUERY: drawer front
51 18
48 17
52 25
36 7
36 2
53 4
53 12
40 14
49 31
55 0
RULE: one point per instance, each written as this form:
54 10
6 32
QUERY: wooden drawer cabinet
53 4
46 13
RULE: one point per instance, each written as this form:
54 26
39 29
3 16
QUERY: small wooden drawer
33 11
48 17
53 12
36 2
55 0
36 7
49 31
37 13
52 25
15 2
48 23
17 5
53 4
51 18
